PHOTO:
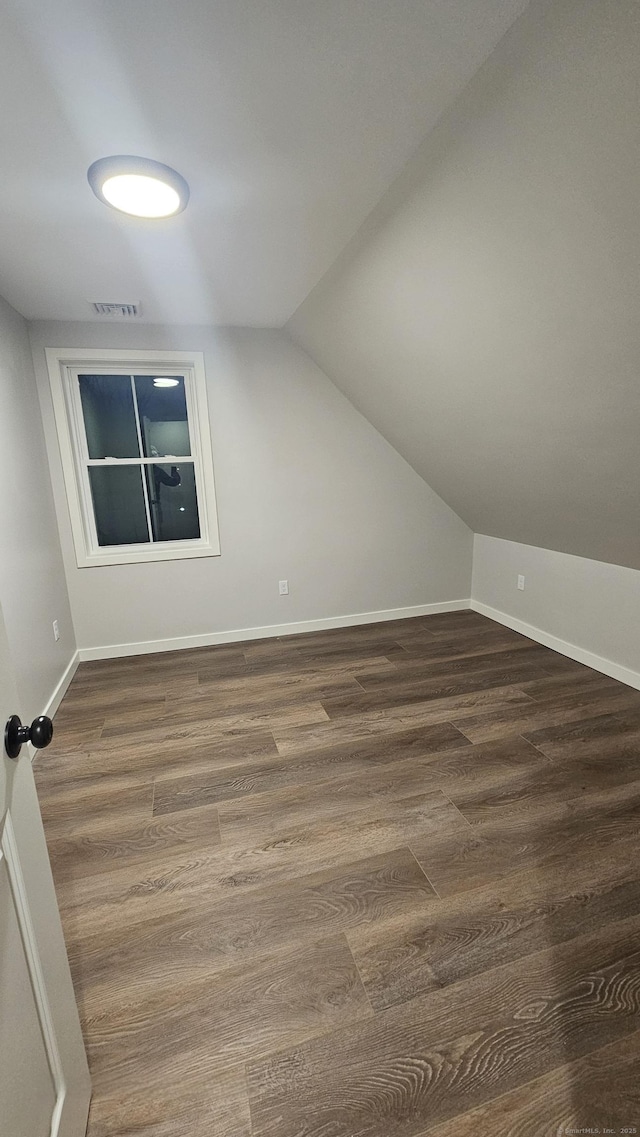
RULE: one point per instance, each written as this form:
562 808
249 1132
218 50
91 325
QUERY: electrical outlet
283 587
521 583
56 630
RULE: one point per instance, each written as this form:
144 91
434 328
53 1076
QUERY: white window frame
64 365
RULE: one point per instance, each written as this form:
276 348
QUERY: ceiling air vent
124 311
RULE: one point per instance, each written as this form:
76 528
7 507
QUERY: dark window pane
109 416
174 505
163 416
118 503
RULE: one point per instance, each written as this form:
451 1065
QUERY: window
136 454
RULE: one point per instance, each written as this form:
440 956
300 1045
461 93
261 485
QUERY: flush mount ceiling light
161 381
138 186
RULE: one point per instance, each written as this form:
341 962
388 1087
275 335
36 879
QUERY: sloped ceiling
486 319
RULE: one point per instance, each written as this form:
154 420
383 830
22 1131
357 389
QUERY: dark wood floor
374 882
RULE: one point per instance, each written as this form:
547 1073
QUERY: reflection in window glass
173 502
163 417
109 416
118 503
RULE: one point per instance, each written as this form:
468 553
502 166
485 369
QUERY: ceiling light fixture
161 381
138 186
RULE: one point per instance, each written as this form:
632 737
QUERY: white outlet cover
521 583
283 587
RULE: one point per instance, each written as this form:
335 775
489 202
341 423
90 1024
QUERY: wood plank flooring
380 881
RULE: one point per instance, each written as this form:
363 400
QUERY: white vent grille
124 311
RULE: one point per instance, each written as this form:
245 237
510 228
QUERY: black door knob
39 734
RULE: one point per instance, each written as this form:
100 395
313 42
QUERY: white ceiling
289 119
487 322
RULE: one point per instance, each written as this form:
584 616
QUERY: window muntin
141 458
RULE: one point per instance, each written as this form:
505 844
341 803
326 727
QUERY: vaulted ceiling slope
486 319
288 118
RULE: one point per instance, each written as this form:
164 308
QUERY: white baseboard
57 695
580 654
61 687
207 639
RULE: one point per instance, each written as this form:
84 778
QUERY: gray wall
307 490
32 585
585 603
486 318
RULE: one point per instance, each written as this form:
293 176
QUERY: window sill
140 556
